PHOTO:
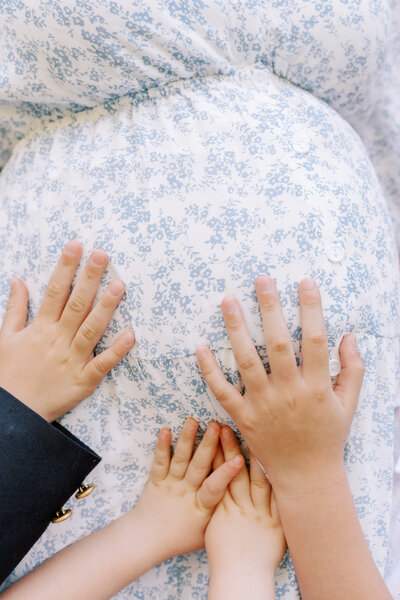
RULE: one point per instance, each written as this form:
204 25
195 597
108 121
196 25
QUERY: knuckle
54 291
106 302
100 366
234 324
77 305
246 361
360 366
290 400
311 301
279 345
198 468
268 299
91 274
316 338
67 260
179 459
89 331
207 370
11 306
221 393
321 392
269 302
259 484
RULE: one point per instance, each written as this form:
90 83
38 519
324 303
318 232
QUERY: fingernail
308 284
353 342
72 247
98 258
201 353
128 339
191 424
237 460
229 305
213 429
264 284
227 433
115 288
164 433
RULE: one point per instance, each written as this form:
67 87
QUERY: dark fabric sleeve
42 465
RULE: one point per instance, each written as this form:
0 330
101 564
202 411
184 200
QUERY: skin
55 351
244 541
296 424
177 505
170 518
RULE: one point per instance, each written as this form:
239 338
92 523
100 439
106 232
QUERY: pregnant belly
197 188
194 190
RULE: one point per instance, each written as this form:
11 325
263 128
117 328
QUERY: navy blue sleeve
42 465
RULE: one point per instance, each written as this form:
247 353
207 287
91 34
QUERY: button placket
334 367
300 145
260 78
336 252
300 142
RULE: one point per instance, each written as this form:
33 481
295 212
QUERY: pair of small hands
293 421
186 508
295 424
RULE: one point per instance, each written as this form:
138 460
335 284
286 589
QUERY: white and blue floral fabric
202 143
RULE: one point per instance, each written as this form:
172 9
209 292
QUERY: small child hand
293 420
181 495
244 540
49 365
170 518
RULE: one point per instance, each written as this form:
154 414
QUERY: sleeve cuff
42 466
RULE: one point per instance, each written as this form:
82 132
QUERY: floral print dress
201 144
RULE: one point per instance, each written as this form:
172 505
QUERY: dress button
62 515
260 78
334 367
300 145
84 490
336 253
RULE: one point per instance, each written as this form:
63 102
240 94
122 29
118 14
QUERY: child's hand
170 519
49 365
295 423
244 540
181 496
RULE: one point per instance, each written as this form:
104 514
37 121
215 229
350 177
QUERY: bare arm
297 424
329 551
98 566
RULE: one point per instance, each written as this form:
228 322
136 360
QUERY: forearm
329 551
100 564
237 583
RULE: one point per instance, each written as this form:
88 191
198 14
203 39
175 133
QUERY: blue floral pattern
201 144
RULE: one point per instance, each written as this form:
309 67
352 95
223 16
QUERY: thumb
213 488
349 381
17 308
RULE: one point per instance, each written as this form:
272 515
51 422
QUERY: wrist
141 532
29 402
233 582
311 481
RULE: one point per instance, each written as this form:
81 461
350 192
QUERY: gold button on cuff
84 490
62 515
